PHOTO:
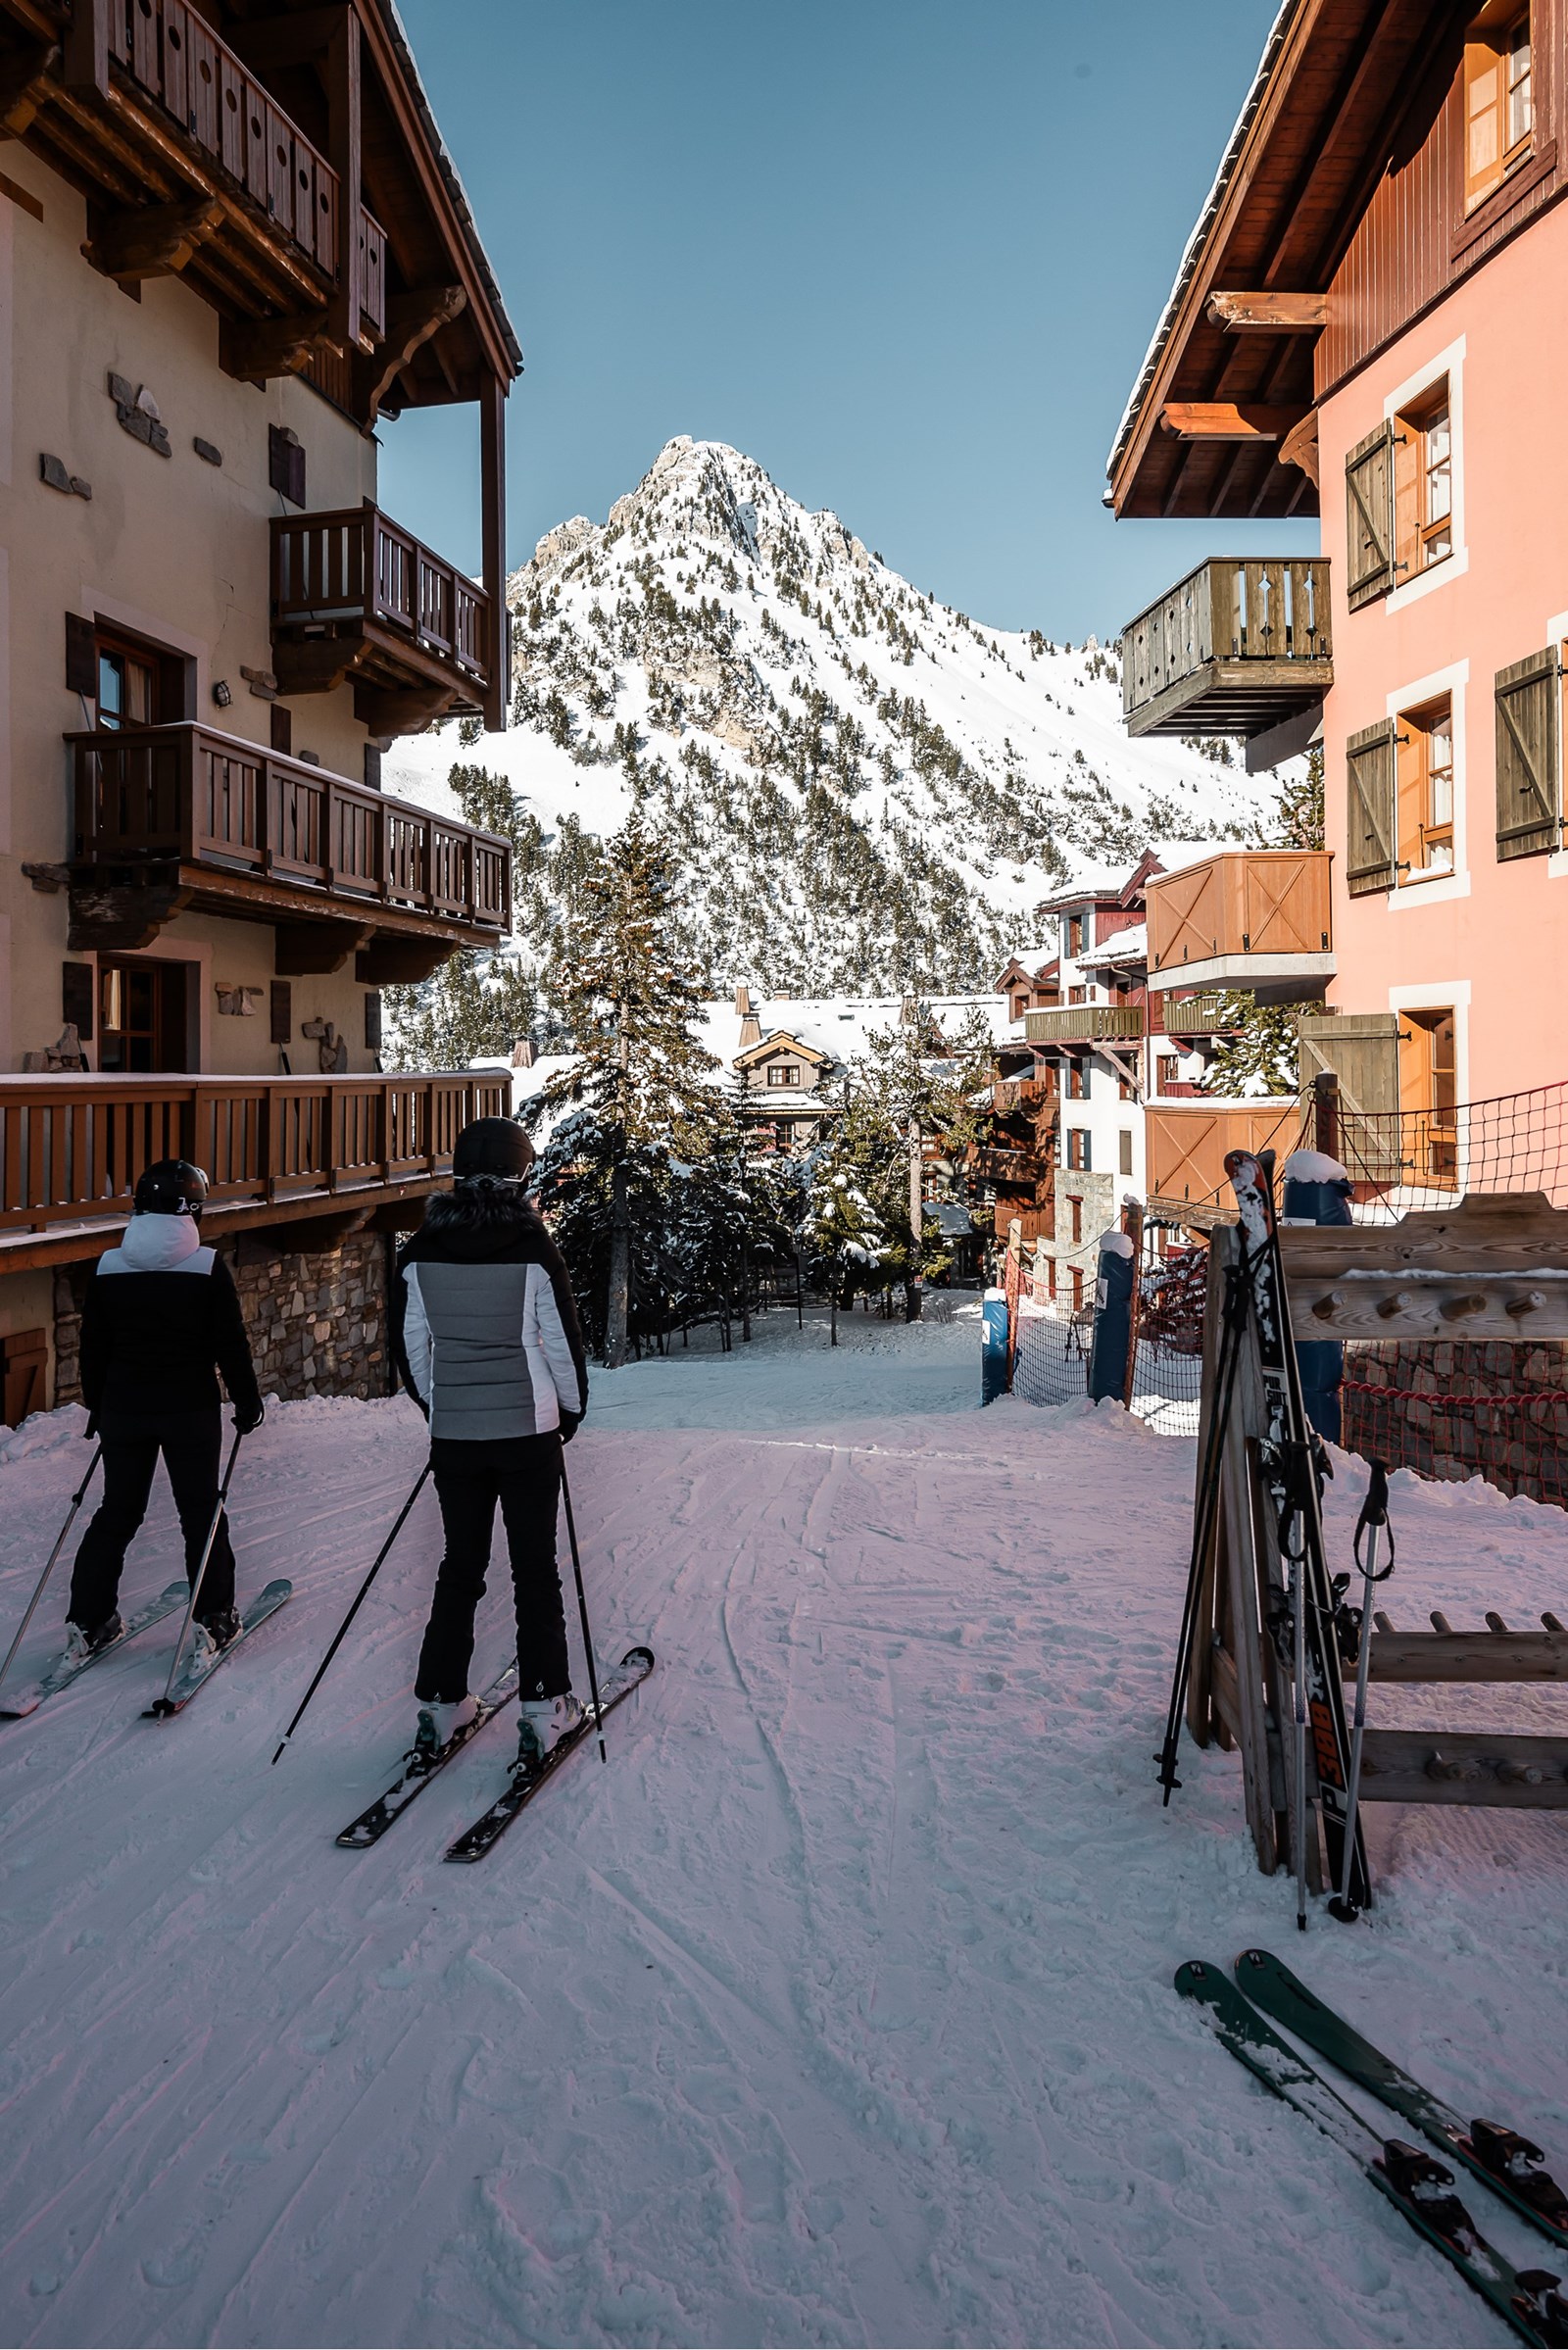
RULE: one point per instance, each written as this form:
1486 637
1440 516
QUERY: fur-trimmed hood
480 1203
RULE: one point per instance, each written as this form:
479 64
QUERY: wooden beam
1466 1765
1299 447
389 709
259 349
25 83
1226 420
1269 314
155 241
411 319
306 949
1469 1657
343 95
84 63
401 962
493 505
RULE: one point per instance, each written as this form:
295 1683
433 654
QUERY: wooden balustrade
209 799
174 56
1084 1024
355 567
1242 916
1234 648
71 1147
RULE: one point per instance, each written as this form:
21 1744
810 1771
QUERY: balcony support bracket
412 320
306 949
122 914
23 84
383 709
156 240
399 962
260 349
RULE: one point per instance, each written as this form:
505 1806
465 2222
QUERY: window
1167 1070
1077 995
1423 745
1078 1149
1498 98
1124 1088
1020 1004
128 687
1076 1209
1428 1095
128 680
1077 1081
1077 1288
1423 483
142 1011
783 1072
1126 1146
1074 933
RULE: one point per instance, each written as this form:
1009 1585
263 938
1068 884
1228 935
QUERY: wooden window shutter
373 1020
1529 807
1369 517
24 1364
1369 863
281 727
285 463
77 997
281 1008
81 657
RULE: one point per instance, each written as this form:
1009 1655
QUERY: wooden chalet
233 249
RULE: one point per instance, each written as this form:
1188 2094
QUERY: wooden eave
780 1042
1322 136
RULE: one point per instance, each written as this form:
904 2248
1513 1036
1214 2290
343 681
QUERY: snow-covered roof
1130 946
839 1026
1095 882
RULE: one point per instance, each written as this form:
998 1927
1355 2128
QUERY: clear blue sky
907 254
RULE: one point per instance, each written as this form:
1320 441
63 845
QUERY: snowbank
837 2009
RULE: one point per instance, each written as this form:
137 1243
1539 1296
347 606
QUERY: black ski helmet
172 1186
496 1146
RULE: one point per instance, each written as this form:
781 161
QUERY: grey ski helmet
494 1146
172 1186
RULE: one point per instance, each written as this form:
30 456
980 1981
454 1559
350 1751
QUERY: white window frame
1449 362
1454 682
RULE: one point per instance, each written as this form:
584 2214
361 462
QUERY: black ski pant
190 1442
523 1474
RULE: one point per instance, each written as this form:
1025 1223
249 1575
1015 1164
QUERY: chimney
522 1053
750 1025
743 1000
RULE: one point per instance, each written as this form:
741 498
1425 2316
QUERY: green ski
1507 2162
1420 2187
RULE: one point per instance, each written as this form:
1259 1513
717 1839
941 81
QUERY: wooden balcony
173 816
1255 918
191 167
1086 1024
1234 648
1202 1014
1186 1143
355 597
274 1148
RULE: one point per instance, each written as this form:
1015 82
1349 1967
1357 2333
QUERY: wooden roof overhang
779 1041
1315 136
166 198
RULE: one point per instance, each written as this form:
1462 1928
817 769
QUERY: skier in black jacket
487 1343
160 1318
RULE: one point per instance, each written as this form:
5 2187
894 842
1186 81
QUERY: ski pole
1299 1823
1374 1517
582 1608
77 1501
337 1642
161 1706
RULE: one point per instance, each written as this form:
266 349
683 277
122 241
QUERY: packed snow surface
837 2009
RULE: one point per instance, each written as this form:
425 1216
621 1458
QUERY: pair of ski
192 1674
1529 2299
526 1778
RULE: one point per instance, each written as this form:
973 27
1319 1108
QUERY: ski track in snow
838 2009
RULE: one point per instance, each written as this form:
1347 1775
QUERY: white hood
159 1245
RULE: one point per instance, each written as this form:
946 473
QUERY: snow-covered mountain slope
867 789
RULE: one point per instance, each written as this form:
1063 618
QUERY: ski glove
247 1422
571 1422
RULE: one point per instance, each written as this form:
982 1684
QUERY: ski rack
1493 1266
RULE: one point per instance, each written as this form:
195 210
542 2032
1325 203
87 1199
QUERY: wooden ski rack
1493 1266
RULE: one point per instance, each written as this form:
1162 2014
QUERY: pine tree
642 1085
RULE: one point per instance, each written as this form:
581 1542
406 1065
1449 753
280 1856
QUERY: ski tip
1195 1975
640 1656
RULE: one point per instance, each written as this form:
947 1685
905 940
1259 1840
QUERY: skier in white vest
487 1343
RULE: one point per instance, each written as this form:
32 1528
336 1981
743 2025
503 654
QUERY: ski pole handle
76 1500
359 1597
161 1705
582 1607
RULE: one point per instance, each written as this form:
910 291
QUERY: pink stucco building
1371 321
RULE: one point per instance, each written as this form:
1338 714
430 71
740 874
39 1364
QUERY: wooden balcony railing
355 567
1084 1024
73 1148
1232 649
206 799
175 58
1202 1014
1186 1143
1243 915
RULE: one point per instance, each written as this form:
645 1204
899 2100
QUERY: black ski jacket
484 1325
160 1319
